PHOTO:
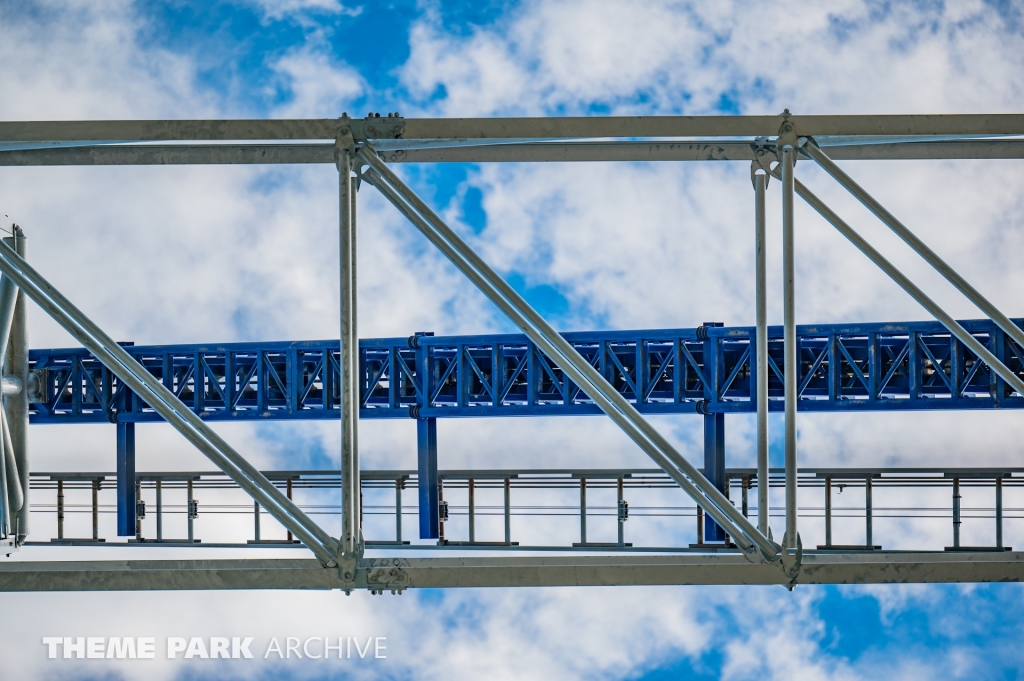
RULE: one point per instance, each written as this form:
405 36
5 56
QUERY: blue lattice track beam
843 367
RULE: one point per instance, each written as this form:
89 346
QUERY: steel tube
191 516
159 510
956 513
940 265
165 403
828 511
472 510
999 512
761 338
96 508
593 384
399 483
868 515
16 406
351 532
972 343
508 511
790 366
15 493
583 510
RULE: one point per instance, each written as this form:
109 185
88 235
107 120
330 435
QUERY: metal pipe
868 515
399 483
761 338
159 510
191 516
583 510
508 511
165 403
472 510
917 294
593 384
956 513
828 511
348 361
622 515
60 509
700 526
5 502
256 520
138 507
95 509
15 493
999 512
288 493
744 495
789 342
940 265
16 364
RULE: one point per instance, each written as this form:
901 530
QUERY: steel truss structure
708 370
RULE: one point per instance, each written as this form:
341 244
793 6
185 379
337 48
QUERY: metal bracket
764 155
344 143
387 574
792 562
347 571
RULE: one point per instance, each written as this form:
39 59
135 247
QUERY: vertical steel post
745 493
351 532
868 515
828 511
700 525
508 510
16 406
999 512
714 463
95 509
399 484
761 352
622 515
60 509
790 340
289 494
426 477
256 520
441 511
191 515
472 510
956 513
138 507
583 510
159 509
126 521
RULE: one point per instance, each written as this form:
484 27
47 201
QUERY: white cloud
195 254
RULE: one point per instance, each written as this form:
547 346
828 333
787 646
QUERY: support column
869 513
714 468
999 512
583 511
761 351
790 340
351 531
399 484
126 525
426 456
472 510
95 510
956 513
60 509
16 406
159 509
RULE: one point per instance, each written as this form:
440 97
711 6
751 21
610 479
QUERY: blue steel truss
843 367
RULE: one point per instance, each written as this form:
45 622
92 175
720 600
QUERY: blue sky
220 254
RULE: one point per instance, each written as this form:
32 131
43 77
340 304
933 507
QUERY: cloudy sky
203 254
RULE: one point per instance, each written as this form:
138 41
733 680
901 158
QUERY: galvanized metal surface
878 567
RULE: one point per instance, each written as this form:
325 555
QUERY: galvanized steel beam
876 567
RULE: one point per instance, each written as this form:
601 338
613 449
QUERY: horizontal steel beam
877 567
543 152
515 128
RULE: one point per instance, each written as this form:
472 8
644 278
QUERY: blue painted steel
126 511
714 468
427 482
843 367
